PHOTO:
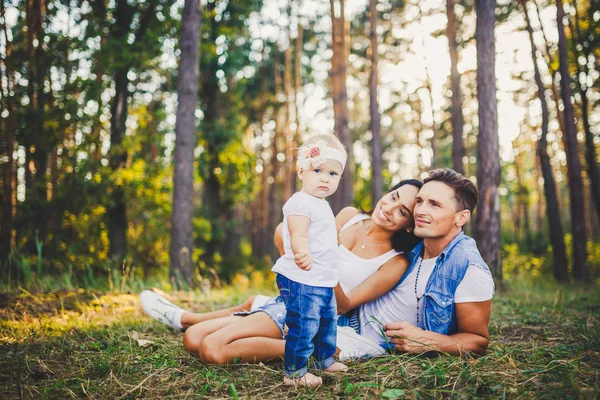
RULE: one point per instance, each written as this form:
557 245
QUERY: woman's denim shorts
274 307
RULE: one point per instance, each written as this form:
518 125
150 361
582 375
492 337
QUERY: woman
370 262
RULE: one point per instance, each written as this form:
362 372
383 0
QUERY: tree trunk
559 253
259 227
376 149
488 170
182 239
117 211
344 195
274 201
211 193
590 147
417 108
523 206
428 86
458 146
540 212
553 73
290 115
7 147
580 270
53 214
298 89
37 140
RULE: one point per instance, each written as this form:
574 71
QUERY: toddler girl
308 271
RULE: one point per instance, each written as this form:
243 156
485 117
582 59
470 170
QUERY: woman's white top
322 238
354 270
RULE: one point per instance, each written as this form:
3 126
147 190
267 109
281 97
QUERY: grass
82 344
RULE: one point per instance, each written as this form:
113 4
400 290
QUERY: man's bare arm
472 332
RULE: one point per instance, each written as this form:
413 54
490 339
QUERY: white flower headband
316 154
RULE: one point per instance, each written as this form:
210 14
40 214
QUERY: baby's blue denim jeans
312 325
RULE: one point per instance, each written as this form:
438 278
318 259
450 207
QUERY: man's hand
407 338
304 260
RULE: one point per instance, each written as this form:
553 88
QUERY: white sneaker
161 309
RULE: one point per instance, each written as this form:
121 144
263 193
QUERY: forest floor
86 344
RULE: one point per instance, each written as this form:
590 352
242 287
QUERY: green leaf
392 393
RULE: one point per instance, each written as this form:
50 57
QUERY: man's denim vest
449 270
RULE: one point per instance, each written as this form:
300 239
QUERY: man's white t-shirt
400 303
322 237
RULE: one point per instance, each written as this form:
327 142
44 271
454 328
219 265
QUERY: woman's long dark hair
402 240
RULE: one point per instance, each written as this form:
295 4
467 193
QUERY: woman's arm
340 220
381 282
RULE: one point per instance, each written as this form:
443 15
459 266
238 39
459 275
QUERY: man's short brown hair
465 192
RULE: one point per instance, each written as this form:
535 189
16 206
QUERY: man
443 301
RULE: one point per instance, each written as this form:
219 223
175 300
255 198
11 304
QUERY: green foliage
518 265
59 94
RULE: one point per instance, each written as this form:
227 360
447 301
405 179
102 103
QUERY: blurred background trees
89 94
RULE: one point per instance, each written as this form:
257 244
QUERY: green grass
78 344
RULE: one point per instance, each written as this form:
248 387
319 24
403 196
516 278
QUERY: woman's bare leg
195 334
188 319
252 338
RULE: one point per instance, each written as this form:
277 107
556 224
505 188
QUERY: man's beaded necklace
416 283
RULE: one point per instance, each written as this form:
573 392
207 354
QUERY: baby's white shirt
322 238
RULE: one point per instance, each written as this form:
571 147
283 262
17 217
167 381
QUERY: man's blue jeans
312 325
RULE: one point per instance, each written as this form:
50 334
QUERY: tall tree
522 208
584 38
224 54
344 195
375 125
38 141
182 239
548 56
290 113
488 157
458 145
557 240
576 194
124 53
434 142
7 141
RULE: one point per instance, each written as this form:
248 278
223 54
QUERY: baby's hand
303 260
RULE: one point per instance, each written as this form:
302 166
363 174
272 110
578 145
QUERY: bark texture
182 239
375 125
344 195
577 205
488 158
458 145
559 253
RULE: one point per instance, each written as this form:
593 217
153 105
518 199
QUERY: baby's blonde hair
331 140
